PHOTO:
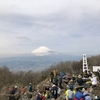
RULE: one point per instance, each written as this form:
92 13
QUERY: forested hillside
8 77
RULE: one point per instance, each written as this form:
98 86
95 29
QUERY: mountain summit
41 51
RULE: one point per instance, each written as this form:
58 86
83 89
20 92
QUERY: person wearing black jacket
80 80
54 91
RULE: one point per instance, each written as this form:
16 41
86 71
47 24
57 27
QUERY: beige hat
89 82
79 76
71 81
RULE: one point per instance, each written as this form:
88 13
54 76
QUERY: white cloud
32 7
62 25
44 7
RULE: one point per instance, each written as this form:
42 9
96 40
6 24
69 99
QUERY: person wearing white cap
30 87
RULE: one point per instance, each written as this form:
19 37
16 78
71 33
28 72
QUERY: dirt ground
46 82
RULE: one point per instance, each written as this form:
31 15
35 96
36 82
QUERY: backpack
78 99
85 96
54 90
81 97
70 94
39 97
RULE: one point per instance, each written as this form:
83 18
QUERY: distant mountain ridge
35 63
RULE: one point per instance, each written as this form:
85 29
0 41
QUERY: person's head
79 89
87 87
54 83
79 76
40 91
71 81
71 87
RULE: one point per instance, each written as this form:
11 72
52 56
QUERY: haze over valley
39 59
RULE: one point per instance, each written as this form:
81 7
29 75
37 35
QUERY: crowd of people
77 87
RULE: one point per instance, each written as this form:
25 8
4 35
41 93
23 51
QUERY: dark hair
71 89
86 86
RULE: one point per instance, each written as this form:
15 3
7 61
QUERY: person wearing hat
70 83
86 93
79 94
30 87
70 93
80 80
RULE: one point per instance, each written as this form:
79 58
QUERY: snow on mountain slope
41 51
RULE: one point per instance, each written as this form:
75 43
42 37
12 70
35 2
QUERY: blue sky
67 26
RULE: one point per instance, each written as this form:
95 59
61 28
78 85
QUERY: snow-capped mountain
41 51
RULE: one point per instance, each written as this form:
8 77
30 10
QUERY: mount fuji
41 51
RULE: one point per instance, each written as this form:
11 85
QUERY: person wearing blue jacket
86 93
79 94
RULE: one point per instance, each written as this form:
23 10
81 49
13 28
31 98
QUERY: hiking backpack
70 94
81 98
54 90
